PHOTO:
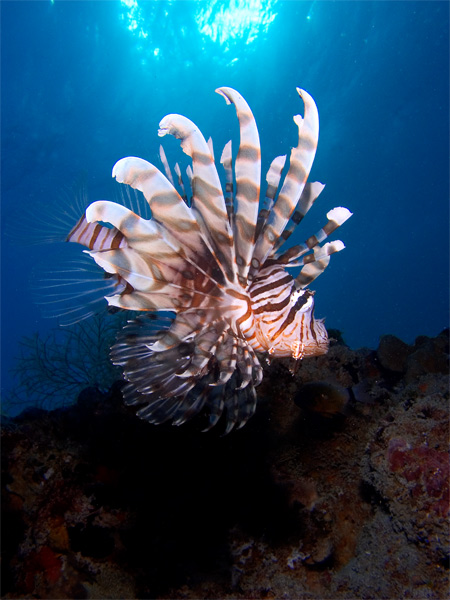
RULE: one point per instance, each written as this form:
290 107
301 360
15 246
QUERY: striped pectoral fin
169 210
187 325
95 236
166 204
208 200
301 160
130 265
316 263
248 180
204 346
145 236
140 301
226 356
164 285
173 373
162 253
245 363
240 405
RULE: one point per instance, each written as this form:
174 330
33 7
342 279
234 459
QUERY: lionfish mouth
215 257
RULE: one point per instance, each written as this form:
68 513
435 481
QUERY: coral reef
298 504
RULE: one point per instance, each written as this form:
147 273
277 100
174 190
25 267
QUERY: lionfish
217 262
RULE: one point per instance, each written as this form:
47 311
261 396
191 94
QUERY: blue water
86 83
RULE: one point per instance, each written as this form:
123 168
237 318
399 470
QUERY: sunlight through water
223 24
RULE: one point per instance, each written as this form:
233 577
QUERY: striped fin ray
216 263
149 237
211 147
206 342
168 210
273 181
75 290
239 404
208 201
95 236
187 325
166 204
169 175
248 365
150 290
225 159
190 175
316 263
336 217
166 166
248 178
301 160
175 383
309 195
181 183
154 285
154 264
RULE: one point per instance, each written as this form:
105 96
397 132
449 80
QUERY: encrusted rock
393 352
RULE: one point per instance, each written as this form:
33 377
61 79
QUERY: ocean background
84 84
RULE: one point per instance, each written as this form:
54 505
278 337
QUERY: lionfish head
214 257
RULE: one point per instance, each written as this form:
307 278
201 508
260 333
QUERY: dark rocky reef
297 504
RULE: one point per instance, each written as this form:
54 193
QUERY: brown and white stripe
248 180
218 265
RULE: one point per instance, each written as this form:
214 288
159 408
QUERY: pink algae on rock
427 467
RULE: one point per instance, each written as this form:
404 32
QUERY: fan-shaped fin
140 234
167 258
166 284
175 384
248 179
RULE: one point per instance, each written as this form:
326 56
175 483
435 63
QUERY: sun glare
222 23
238 20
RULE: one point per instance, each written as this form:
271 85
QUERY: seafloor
338 500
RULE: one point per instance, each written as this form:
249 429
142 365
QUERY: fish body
216 262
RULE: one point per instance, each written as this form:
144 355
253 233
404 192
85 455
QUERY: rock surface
97 504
